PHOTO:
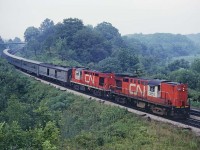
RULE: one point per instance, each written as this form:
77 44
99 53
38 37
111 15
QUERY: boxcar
55 72
30 66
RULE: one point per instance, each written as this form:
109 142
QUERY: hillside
164 44
37 116
195 38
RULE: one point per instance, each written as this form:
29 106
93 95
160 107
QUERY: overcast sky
128 16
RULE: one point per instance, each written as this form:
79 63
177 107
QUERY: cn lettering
89 78
138 89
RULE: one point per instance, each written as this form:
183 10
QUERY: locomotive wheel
120 100
97 93
158 110
76 87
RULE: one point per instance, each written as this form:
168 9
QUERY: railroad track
195 112
192 122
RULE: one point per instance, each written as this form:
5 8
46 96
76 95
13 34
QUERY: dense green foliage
165 45
26 121
37 116
71 40
157 50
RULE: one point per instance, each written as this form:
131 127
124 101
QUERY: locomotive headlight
183 89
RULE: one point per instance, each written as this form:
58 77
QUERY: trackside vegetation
38 116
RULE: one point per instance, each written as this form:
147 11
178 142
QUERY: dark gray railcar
59 73
15 62
31 66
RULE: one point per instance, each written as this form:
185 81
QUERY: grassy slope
90 125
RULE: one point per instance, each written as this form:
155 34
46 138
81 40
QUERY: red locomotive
97 83
159 96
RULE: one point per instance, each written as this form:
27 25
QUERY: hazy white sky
128 16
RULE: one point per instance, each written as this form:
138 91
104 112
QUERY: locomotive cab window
152 88
78 74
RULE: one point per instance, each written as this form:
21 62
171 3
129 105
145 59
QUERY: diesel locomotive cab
172 95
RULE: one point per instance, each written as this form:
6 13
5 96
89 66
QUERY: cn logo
89 78
137 89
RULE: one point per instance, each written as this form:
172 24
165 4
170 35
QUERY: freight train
161 97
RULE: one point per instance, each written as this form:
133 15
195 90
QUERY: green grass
91 125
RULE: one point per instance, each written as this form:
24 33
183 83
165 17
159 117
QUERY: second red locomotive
158 96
